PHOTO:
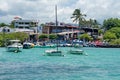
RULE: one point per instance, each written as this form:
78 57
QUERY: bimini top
14 40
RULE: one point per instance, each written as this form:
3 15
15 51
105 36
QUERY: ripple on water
100 64
43 70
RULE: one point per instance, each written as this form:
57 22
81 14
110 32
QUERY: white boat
76 51
14 46
54 52
79 52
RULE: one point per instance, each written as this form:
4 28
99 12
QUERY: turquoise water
30 64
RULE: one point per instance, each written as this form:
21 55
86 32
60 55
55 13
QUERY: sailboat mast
56 16
56 23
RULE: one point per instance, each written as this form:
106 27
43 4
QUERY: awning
23 30
68 32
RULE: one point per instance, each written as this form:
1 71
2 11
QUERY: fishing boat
54 52
78 52
27 45
14 46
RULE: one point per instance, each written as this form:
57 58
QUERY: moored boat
77 52
27 45
80 52
53 53
14 46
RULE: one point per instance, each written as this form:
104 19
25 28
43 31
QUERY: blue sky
43 10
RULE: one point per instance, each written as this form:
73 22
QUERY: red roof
17 17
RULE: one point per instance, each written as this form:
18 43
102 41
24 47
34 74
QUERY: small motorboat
14 46
53 53
77 52
27 45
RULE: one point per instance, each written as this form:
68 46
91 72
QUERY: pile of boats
16 46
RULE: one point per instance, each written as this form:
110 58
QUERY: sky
44 10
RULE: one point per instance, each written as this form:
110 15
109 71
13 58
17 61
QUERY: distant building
65 31
6 29
27 24
61 27
39 29
91 31
68 31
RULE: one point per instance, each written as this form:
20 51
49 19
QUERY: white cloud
44 10
4 7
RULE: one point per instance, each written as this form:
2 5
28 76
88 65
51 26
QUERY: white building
6 29
24 24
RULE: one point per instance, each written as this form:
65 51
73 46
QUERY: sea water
31 64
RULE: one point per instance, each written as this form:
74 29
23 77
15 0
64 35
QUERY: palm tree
94 23
78 17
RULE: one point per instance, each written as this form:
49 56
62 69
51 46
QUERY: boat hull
77 52
14 49
44 46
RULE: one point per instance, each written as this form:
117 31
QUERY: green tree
100 31
85 37
108 36
78 17
95 23
21 36
91 23
52 36
115 42
3 24
116 31
17 35
1 39
110 23
43 36
11 24
9 36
